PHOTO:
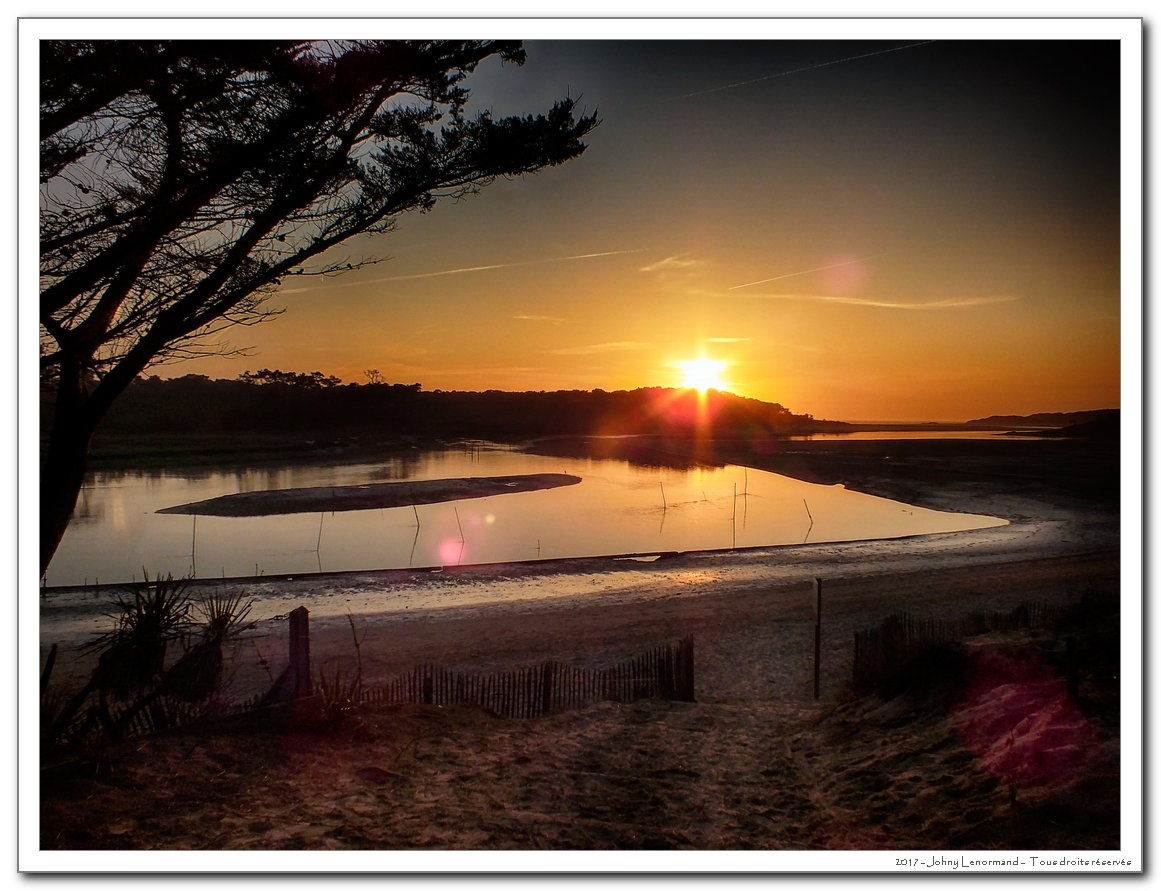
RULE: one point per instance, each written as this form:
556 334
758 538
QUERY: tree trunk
62 469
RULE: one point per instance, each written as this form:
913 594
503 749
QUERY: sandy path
749 774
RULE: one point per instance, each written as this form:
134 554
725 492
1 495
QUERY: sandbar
370 496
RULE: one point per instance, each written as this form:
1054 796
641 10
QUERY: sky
890 230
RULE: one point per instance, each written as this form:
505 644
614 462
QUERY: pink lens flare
1018 720
450 550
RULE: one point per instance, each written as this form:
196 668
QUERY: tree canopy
181 182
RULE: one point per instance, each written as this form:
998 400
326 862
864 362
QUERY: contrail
806 271
756 80
400 278
950 303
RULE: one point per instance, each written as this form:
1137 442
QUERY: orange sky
928 233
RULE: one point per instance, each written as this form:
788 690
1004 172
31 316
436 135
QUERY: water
915 434
618 508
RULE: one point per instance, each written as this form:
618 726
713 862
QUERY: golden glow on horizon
879 285
702 374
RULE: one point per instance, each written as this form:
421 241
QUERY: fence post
689 679
300 650
548 679
817 631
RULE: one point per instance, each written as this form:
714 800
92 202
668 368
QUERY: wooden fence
169 714
883 651
665 672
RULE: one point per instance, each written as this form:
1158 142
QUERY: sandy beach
755 762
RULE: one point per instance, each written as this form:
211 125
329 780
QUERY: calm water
619 508
916 434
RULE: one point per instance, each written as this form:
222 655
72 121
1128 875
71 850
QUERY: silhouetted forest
1056 419
301 404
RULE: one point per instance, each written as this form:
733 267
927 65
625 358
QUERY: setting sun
702 374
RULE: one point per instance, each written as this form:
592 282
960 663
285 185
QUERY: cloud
601 348
527 317
678 261
728 339
949 303
461 270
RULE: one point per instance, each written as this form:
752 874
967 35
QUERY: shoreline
1043 523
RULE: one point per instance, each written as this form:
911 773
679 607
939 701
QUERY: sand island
370 496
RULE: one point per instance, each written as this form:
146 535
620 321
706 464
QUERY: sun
702 374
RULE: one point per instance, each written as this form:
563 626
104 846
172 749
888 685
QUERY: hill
284 403
1044 419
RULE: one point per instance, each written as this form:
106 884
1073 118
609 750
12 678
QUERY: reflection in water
619 508
88 510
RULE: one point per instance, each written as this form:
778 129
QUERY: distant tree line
285 402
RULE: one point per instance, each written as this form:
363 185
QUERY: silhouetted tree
312 381
182 181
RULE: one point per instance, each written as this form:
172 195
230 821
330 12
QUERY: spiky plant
197 674
131 676
132 654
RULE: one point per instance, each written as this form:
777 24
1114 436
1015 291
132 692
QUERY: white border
1128 31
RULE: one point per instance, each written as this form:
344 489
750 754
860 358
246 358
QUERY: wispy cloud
949 303
679 261
463 269
756 80
728 339
527 317
804 272
600 348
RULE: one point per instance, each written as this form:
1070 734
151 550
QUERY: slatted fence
665 672
883 651
168 714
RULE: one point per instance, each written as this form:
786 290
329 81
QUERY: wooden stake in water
734 518
817 632
193 549
460 558
322 516
664 505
